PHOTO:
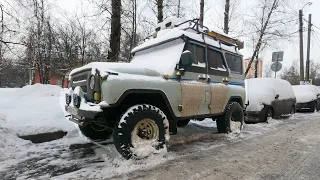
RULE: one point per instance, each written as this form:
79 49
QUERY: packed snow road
287 149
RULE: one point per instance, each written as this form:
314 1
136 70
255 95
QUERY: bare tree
115 34
201 11
226 17
160 10
269 23
291 74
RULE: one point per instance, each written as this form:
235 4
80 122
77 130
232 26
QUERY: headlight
68 99
92 82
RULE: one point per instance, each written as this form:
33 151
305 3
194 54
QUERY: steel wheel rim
145 130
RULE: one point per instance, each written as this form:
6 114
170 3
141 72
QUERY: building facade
251 70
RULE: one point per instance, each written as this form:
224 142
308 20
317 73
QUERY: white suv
184 72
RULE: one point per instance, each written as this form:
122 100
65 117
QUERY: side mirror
186 59
277 96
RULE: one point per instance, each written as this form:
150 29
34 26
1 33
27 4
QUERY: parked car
268 97
308 97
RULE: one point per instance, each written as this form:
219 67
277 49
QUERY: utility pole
308 50
301 47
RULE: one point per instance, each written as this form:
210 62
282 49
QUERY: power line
290 7
316 38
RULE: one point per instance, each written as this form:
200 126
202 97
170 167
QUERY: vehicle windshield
161 58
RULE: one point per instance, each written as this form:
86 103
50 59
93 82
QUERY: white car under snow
269 98
307 97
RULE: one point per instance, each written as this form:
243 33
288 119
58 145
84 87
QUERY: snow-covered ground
38 108
33 109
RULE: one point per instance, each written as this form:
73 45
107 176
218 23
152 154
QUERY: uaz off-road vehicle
184 72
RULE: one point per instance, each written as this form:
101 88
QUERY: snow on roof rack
223 38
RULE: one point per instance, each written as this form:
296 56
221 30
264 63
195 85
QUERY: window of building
234 63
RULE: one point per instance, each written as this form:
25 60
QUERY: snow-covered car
269 98
183 73
308 97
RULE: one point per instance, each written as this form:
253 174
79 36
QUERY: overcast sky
291 49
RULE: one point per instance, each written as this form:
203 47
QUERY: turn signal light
97 97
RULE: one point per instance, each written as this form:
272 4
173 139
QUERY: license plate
72 110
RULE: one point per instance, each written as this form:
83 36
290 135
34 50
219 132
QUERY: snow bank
33 109
262 91
306 93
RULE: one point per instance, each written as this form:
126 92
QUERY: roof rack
217 36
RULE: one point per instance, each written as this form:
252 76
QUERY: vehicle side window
217 65
198 53
215 60
234 63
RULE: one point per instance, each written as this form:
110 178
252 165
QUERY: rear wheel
233 120
181 123
95 132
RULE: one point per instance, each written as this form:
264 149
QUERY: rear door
195 90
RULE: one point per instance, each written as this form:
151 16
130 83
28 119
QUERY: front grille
81 79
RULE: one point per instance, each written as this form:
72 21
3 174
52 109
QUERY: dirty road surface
281 149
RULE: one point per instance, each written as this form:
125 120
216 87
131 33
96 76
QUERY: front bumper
303 106
79 113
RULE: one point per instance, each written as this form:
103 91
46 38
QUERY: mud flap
173 130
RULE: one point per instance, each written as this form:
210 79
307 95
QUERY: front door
195 90
217 71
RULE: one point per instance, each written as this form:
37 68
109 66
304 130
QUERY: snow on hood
154 61
306 93
262 91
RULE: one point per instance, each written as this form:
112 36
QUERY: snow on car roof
263 91
176 32
305 93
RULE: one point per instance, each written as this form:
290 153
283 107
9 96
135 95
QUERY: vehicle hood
155 61
305 93
108 67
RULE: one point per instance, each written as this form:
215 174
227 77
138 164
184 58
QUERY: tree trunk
134 26
115 34
179 6
262 32
226 17
160 10
256 67
201 11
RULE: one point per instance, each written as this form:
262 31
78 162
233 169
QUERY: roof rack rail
217 36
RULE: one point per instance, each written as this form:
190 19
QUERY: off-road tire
122 132
181 123
269 113
224 122
89 130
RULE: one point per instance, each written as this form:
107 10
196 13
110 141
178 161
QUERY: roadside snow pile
262 91
9 143
32 110
306 93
